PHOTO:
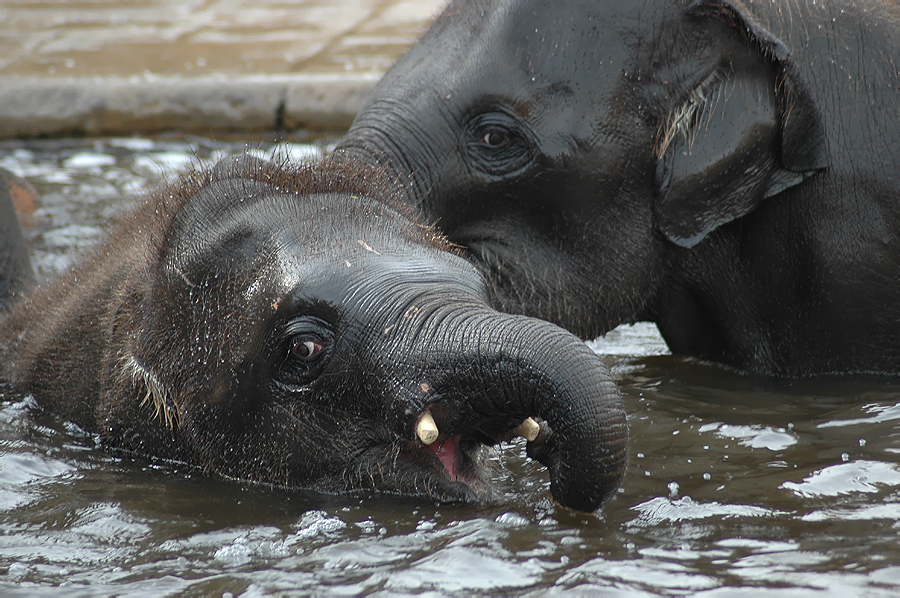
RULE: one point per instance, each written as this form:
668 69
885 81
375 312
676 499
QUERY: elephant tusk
528 429
426 429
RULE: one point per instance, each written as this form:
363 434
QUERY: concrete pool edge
146 104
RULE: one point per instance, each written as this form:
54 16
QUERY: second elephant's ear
742 132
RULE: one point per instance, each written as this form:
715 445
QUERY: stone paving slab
108 67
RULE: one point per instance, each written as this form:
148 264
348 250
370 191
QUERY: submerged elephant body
728 170
285 326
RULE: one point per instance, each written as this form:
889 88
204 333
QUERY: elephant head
597 160
289 327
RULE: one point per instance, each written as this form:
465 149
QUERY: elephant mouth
490 251
453 467
459 466
476 241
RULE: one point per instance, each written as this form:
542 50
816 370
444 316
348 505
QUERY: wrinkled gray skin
278 325
728 170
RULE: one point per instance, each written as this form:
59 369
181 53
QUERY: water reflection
734 485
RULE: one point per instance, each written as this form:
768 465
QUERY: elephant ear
744 131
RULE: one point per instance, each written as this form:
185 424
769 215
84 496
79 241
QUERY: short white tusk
528 429
426 429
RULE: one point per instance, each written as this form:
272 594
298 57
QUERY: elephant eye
306 344
498 144
495 138
305 349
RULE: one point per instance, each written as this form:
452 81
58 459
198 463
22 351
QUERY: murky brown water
735 485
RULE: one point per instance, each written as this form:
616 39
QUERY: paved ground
206 66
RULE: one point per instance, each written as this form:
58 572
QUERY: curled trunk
498 369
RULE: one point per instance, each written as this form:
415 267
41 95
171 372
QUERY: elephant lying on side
728 170
288 326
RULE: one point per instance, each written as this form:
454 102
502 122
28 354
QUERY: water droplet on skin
845 457
706 476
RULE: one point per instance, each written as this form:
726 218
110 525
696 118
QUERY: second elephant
728 170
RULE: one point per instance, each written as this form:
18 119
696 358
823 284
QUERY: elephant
293 326
729 170
16 272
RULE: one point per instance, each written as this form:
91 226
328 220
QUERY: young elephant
288 327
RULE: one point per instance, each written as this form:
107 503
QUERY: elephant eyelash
291 370
156 395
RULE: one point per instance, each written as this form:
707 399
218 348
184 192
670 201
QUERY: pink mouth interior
447 452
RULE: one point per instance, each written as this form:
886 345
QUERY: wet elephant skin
279 325
728 170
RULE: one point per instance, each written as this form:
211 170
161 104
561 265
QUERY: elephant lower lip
458 464
448 453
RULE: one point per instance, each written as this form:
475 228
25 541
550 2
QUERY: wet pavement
100 67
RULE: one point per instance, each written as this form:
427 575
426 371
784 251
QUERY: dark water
736 486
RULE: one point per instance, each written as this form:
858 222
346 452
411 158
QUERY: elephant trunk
372 142
585 450
503 371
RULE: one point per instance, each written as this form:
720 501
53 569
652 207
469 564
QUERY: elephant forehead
568 77
370 279
275 253
224 229
518 43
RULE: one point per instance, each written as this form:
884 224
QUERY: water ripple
847 478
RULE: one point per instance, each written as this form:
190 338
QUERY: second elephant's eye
499 144
495 138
